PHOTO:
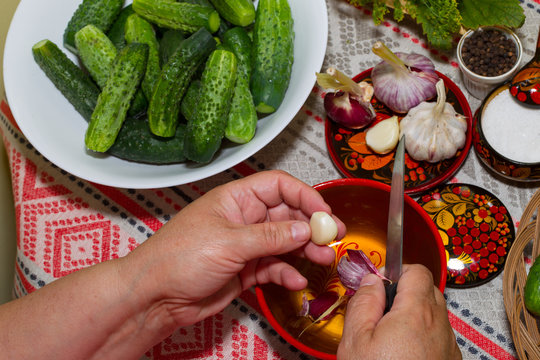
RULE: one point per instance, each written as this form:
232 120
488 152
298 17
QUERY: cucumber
224 25
117 31
97 53
532 289
141 31
113 102
169 43
135 142
190 100
76 86
132 143
242 118
200 2
204 133
273 53
178 15
237 12
101 13
164 106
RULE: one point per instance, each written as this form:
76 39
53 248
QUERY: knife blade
394 234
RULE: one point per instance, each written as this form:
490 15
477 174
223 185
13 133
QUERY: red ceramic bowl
363 205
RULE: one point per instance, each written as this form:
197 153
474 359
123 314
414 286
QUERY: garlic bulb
434 130
383 136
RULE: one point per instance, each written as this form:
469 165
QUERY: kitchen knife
394 237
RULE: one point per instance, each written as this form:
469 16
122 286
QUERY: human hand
227 241
416 327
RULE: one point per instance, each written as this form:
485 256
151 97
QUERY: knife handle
390 290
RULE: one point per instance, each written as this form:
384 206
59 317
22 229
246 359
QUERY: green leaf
440 20
398 11
477 13
379 10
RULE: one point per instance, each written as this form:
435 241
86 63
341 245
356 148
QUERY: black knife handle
390 290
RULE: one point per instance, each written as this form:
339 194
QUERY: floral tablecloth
65 223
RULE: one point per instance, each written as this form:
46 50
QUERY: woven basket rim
523 325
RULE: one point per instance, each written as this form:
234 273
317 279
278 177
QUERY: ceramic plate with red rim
476 229
353 158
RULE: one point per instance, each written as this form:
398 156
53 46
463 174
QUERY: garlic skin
434 130
383 136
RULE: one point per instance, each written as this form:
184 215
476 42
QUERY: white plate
56 130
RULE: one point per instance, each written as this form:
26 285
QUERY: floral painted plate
353 158
476 229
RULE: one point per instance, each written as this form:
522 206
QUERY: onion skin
346 110
403 87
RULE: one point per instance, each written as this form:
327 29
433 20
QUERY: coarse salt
512 129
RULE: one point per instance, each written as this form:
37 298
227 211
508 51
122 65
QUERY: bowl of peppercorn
488 56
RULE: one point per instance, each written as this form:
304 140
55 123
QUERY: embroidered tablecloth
65 223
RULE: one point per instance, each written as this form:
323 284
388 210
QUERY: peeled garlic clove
383 136
323 228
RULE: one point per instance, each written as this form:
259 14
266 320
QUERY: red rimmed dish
363 205
476 229
495 160
350 154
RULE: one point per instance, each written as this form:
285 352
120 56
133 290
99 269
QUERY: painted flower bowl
476 229
363 205
502 161
353 158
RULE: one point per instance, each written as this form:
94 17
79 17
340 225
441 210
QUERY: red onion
402 81
350 105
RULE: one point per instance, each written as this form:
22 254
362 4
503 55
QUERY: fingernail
300 231
369 279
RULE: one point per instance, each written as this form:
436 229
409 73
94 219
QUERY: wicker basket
524 326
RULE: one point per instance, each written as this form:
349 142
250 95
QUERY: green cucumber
117 32
101 13
169 43
115 98
204 133
532 288
237 12
178 15
273 54
200 2
190 100
164 107
135 142
242 118
97 53
76 86
141 31
132 142
224 25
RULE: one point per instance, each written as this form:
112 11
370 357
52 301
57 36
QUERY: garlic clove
323 228
383 136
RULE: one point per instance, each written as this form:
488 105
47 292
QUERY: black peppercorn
488 52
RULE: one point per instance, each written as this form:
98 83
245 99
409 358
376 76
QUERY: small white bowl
477 85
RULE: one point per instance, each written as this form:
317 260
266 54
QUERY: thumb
365 309
273 238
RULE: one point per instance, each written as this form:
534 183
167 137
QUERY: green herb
500 12
442 19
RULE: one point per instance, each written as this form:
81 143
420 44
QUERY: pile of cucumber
166 81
